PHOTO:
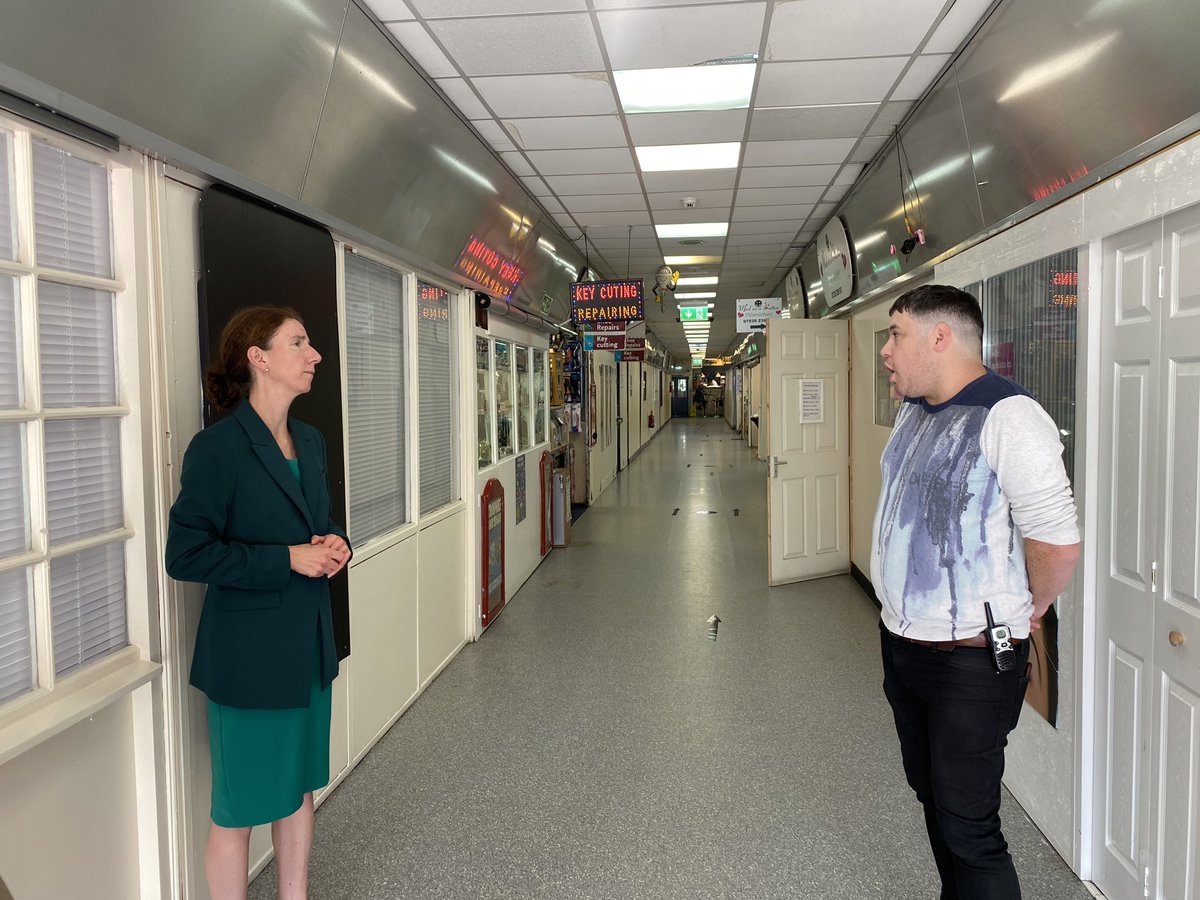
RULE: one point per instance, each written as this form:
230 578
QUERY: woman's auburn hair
228 377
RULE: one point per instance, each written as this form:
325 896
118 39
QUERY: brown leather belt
975 640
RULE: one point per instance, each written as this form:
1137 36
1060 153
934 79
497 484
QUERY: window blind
16 635
78 346
72 228
375 387
10 369
83 478
8 242
435 373
14 499
87 604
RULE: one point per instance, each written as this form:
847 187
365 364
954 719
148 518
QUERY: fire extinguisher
651 422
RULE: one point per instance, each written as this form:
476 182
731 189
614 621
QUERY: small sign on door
812 401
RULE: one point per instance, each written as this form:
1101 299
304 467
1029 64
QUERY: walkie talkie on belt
999 641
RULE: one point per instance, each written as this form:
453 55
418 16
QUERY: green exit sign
693 314
697 361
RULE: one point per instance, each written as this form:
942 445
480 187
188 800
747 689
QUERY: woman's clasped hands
324 555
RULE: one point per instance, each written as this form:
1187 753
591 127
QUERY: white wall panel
441 590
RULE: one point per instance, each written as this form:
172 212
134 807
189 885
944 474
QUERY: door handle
773 464
1176 638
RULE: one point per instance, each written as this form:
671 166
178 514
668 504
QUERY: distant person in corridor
252 522
975 507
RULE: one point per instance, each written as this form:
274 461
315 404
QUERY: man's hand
323 555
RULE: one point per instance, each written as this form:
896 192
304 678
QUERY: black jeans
953 714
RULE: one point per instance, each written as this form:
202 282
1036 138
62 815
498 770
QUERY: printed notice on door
812 401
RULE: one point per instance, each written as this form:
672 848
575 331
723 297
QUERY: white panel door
808 464
1127 485
1175 813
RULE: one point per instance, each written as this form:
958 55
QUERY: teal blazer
239 508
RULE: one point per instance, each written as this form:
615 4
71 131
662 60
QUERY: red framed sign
546 473
492 518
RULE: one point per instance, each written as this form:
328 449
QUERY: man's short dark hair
942 300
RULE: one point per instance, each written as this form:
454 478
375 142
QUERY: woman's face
291 361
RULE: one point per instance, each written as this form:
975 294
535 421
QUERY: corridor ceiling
826 82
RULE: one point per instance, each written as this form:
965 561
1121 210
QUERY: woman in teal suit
252 522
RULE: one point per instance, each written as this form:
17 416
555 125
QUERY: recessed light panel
685 88
690 260
693 230
688 157
695 295
696 280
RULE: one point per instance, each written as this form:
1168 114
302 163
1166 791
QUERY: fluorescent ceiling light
695 295
685 87
687 157
693 230
1037 77
690 260
691 280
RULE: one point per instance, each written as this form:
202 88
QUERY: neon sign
482 263
602 301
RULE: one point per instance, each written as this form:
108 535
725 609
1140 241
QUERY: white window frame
457 315
57 702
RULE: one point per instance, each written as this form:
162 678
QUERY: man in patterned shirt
975 507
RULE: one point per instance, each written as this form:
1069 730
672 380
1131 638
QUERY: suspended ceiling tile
496 136
918 79
964 15
795 212
565 221
567 132
870 146
622 183
784 176
536 186
691 216
707 202
762 241
521 45
464 98
778 229
800 122
619 230
819 29
784 153
603 202
849 173
890 116
776 195
517 164
613 218
535 96
661 38
421 47
552 206
602 161
390 10
695 127
689 183
827 82
437 9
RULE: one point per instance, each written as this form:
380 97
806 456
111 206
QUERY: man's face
908 356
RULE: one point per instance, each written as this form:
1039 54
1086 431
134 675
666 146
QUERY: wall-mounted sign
492 514
547 302
482 263
607 301
753 313
836 262
694 313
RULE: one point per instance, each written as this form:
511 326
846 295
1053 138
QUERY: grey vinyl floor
596 744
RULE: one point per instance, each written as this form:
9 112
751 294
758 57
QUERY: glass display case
524 399
540 389
483 406
502 352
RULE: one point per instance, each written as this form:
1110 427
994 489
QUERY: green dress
265 760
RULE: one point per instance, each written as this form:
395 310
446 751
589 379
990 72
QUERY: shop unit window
524 400
540 389
375 394
505 424
886 406
63 532
1029 335
435 374
483 400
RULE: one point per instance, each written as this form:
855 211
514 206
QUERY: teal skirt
265 760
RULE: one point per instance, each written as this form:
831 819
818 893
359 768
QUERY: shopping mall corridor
596 743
